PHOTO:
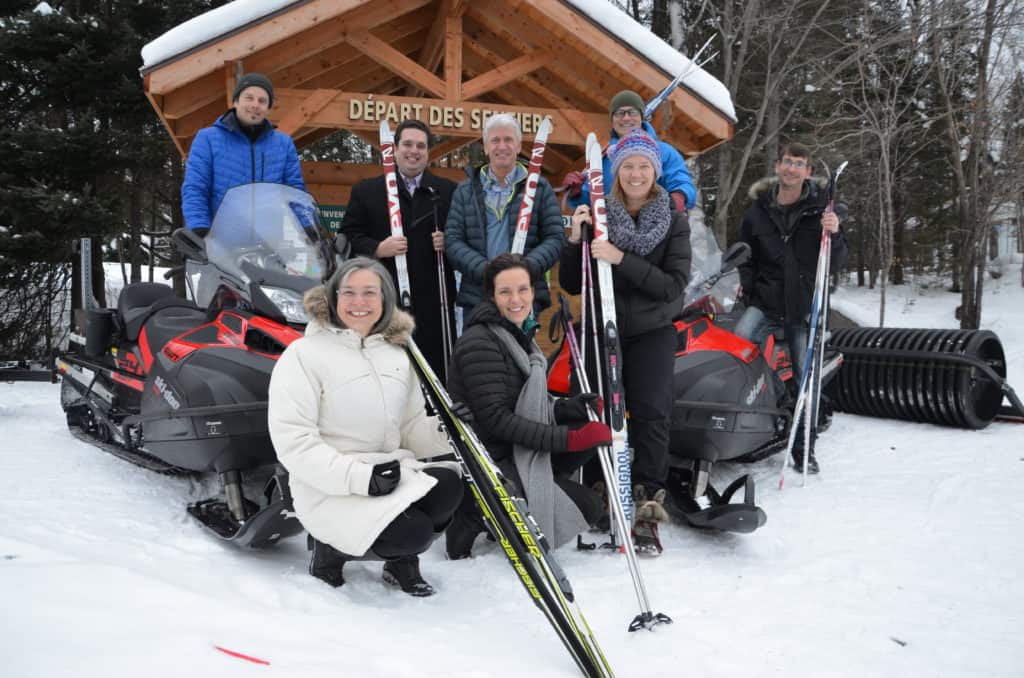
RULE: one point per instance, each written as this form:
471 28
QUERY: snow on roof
663 55
237 14
208 26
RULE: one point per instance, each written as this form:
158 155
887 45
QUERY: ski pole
447 342
646 618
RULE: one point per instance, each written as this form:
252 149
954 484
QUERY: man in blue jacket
627 113
241 147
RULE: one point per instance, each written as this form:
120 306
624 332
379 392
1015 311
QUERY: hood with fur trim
761 187
397 332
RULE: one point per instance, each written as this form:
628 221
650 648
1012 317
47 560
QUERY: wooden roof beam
493 60
505 73
396 62
453 57
570 71
449 146
317 49
283 39
619 59
304 112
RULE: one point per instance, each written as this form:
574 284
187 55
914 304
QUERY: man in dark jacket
783 228
424 200
241 147
481 223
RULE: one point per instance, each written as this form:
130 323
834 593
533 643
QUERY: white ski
387 154
526 210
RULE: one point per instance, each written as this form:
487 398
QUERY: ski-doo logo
754 392
164 390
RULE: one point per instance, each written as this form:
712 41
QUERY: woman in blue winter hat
648 248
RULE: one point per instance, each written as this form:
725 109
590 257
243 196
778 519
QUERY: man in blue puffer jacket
627 113
241 147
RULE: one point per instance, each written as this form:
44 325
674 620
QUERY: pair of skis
809 394
387 154
509 520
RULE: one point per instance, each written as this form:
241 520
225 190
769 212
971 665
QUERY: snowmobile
733 398
180 386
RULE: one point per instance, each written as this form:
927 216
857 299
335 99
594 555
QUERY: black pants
413 531
563 465
648 372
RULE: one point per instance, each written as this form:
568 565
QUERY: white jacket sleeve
293 412
421 434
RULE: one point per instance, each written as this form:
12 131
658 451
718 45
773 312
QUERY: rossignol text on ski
615 399
532 178
387 154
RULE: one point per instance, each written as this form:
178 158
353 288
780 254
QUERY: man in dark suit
424 199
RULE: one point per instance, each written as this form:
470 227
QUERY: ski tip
544 129
385 131
593 150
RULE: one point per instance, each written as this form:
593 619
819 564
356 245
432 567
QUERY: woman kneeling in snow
347 419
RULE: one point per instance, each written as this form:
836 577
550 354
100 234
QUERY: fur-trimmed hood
315 302
761 187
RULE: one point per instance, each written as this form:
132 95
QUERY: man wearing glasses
783 228
627 113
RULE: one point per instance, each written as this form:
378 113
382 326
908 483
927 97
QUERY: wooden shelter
346 64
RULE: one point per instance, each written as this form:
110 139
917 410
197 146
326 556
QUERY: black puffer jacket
779 276
648 290
484 376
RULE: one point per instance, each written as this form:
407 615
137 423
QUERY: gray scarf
649 229
556 514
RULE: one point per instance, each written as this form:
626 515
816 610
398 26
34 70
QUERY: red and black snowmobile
180 386
731 397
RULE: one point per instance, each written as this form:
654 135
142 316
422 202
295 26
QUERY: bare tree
882 108
763 49
966 41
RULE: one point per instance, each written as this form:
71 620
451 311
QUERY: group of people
346 413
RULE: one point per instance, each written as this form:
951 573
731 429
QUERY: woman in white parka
347 420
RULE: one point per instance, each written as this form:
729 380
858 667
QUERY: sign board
331 217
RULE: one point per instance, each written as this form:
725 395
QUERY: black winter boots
405 573
326 562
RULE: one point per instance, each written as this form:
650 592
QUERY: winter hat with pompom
637 142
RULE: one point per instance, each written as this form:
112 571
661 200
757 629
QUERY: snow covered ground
901 559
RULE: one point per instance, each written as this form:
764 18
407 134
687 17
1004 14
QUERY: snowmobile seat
139 301
171 317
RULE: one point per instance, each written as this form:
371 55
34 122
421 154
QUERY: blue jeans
755 326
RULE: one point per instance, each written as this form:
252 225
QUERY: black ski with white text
515 530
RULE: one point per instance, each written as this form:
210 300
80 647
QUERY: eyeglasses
626 113
368 294
795 164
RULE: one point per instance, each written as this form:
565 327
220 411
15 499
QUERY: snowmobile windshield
268 241
709 287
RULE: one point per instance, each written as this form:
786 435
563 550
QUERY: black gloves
462 411
385 478
575 409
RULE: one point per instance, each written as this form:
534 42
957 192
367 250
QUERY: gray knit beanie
254 80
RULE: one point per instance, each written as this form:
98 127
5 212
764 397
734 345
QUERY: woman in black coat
649 250
499 372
